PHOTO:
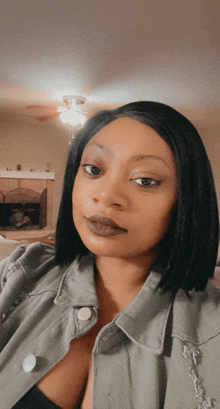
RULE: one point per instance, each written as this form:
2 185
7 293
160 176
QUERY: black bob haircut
188 251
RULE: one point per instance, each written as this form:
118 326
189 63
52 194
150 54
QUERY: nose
110 193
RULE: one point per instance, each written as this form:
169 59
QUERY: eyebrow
136 158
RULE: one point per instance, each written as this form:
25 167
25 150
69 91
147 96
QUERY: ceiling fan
65 113
72 114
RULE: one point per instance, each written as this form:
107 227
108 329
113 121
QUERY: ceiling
111 52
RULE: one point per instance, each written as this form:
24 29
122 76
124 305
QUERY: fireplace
23 209
26 201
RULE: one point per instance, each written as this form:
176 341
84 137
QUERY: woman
122 314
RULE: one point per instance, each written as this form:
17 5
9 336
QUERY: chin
103 250
114 250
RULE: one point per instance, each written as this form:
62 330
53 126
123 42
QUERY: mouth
102 226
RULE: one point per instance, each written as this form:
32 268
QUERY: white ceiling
110 51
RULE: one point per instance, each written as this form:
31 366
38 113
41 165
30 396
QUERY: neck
118 281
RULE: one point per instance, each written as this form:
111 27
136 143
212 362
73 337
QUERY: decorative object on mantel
18 167
48 166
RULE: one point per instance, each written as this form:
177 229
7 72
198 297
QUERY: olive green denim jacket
157 353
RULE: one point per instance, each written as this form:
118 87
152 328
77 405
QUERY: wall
211 141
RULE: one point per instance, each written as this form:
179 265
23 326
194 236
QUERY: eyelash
90 166
155 183
150 184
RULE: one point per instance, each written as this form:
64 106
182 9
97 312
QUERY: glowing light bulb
74 118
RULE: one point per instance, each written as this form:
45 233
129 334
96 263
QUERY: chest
70 383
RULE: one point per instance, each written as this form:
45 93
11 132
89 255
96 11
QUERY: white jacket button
29 363
84 313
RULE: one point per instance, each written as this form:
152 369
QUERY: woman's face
127 174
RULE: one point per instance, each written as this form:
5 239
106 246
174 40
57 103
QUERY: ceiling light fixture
72 114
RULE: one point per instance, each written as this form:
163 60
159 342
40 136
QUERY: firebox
23 209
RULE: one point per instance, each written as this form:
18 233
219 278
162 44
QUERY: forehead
126 136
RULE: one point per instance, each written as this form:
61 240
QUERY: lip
102 226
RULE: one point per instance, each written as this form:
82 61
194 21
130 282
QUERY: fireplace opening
21 216
23 209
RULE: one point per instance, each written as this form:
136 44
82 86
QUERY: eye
91 170
146 182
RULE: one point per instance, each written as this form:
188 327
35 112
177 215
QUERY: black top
35 399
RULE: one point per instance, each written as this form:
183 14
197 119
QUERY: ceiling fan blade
48 117
42 107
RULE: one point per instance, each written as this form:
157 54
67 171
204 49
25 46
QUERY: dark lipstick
102 226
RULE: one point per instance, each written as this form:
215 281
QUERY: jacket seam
41 292
186 338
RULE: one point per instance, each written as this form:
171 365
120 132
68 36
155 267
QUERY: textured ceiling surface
114 51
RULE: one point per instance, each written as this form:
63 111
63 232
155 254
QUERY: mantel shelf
6 174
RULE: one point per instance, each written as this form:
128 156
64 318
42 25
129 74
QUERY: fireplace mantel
10 174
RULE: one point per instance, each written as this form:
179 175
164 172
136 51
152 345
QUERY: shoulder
23 269
196 318
30 260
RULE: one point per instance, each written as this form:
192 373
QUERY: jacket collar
196 320
145 320
77 287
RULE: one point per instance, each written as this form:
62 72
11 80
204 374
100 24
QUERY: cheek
82 196
76 197
160 214
166 214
